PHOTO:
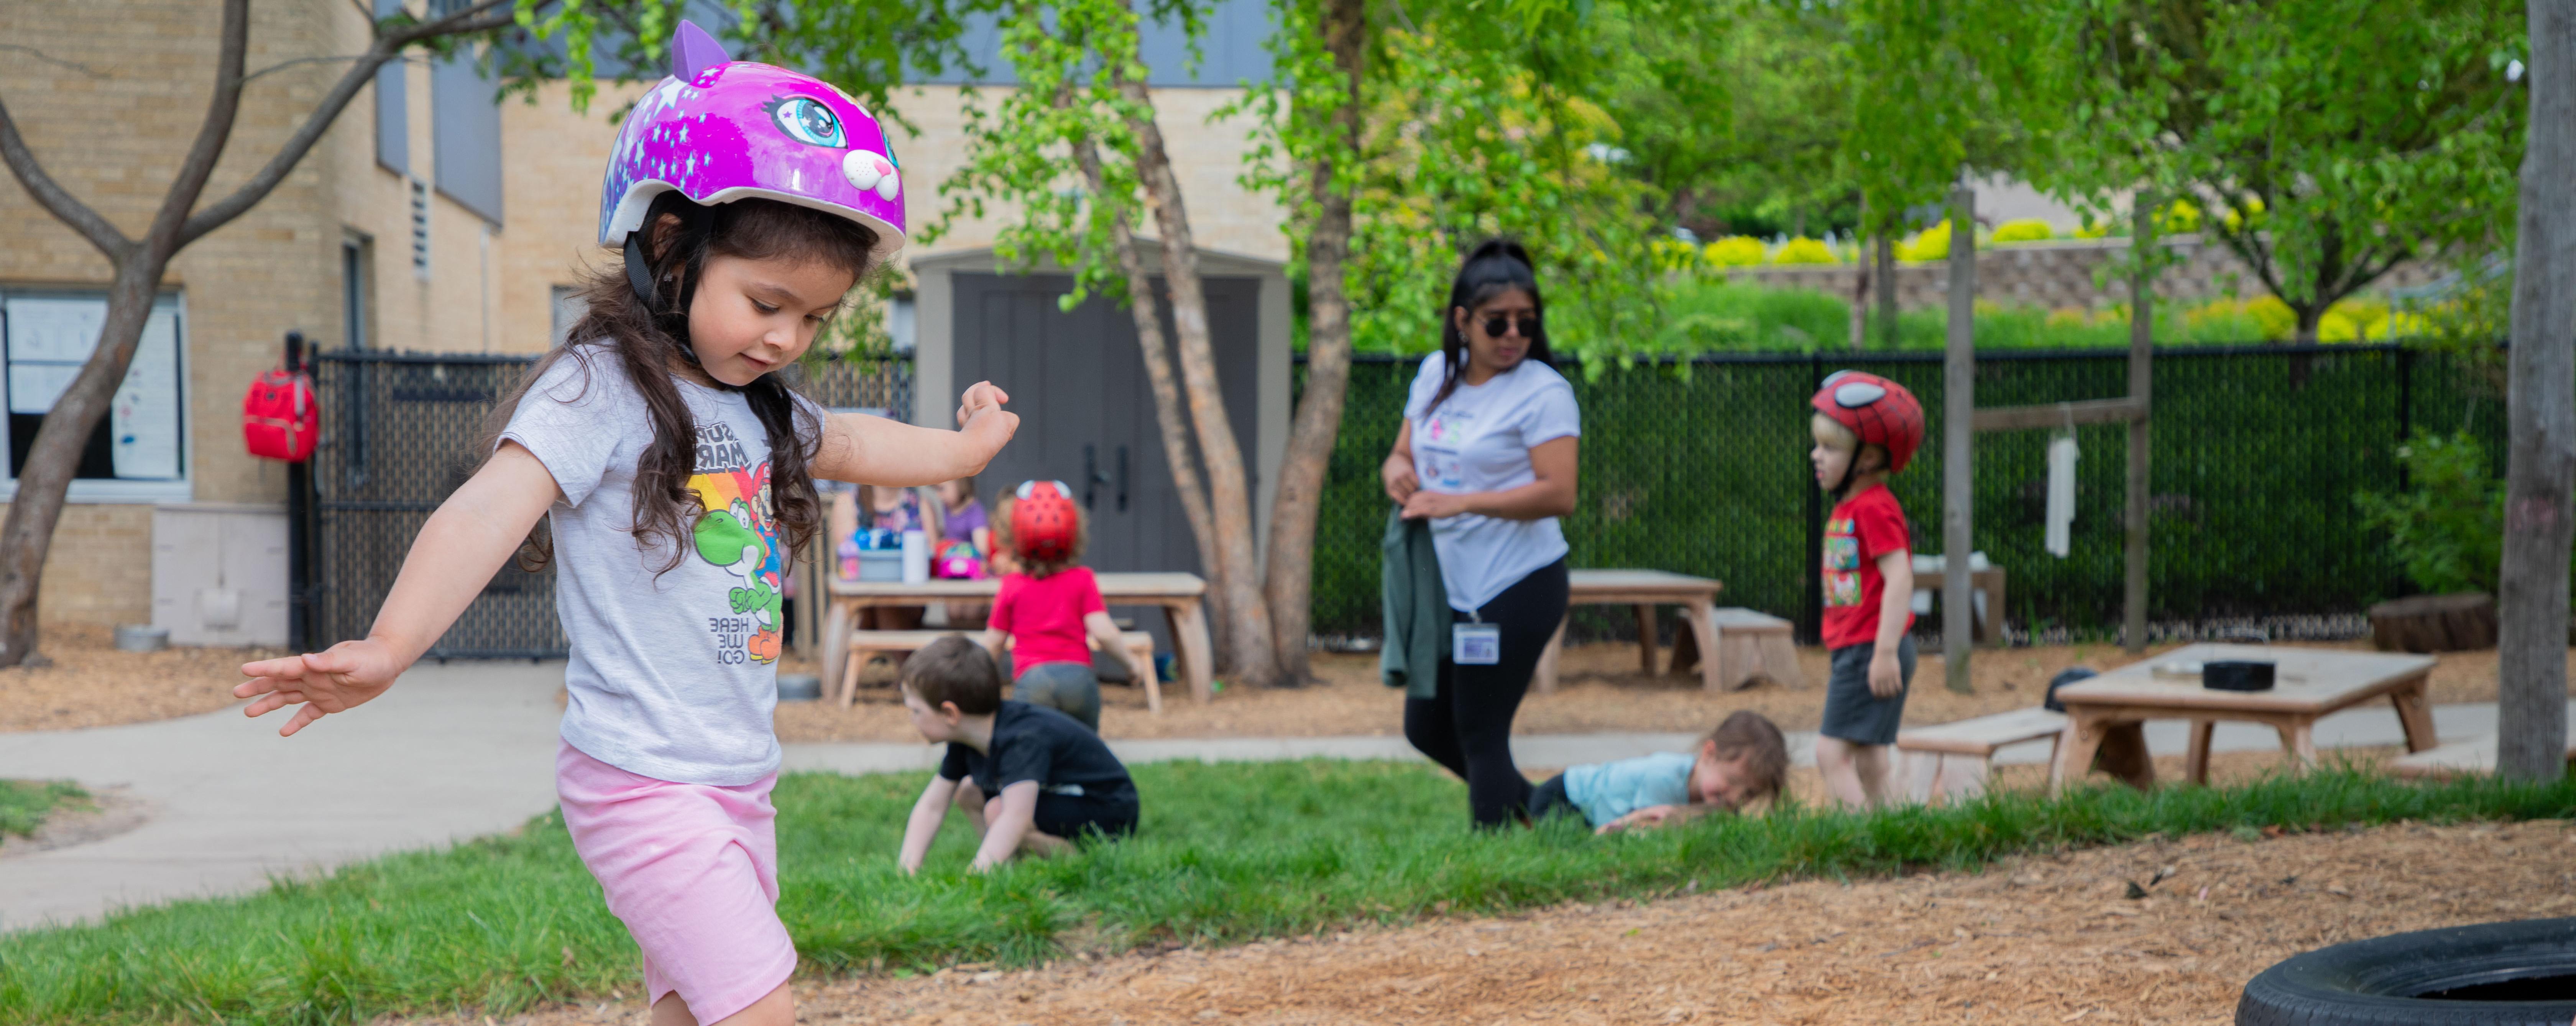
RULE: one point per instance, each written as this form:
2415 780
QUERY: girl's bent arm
878 451
923 827
455 555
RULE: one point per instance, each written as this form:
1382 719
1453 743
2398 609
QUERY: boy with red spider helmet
1049 605
1866 428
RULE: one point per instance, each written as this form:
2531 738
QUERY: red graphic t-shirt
1043 616
1861 529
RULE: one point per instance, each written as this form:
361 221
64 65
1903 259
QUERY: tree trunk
1248 633
1886 259
2142 364
1860 282
52 461
2306 332
1288 582
1958 447
1158 367
2541 417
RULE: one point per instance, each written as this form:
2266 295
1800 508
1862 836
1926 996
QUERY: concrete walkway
467 749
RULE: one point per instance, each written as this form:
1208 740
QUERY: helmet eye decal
1858 394
806 120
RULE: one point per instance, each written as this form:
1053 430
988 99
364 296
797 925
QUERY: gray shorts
1069 688
1852 713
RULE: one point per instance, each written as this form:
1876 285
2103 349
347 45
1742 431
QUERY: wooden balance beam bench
1950 761
865 645
2475 757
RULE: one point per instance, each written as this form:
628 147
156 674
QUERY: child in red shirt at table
1049 605
1866 428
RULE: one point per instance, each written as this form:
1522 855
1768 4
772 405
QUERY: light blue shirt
1608 790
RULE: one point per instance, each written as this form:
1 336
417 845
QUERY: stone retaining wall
2055 275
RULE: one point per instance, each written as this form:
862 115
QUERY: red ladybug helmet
1880 411
1044 522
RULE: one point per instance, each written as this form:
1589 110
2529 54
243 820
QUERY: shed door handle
1122 479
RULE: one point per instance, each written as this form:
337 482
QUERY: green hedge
1701 468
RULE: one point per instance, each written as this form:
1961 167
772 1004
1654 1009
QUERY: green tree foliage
2328 139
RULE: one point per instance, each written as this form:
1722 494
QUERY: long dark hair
647 334
1494 267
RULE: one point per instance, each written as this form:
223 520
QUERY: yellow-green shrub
1734 251
1674 255
2028 229
2182 216
1932 243
1803 250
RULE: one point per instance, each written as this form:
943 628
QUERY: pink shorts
692 870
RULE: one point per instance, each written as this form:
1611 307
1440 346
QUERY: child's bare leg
1869 765
777 1008
1835 762
1044 845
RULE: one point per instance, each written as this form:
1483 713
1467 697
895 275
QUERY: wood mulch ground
1602 691
91 684
2046 938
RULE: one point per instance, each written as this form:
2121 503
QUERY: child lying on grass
1743 761
1029 778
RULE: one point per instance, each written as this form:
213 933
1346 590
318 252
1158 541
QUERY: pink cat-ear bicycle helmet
720 130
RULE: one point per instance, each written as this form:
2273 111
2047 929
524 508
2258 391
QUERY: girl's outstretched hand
980 417
339 679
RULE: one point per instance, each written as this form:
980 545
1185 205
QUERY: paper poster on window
54 330
143 422
33 387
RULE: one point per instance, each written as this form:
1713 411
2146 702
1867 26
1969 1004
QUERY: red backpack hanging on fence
280 417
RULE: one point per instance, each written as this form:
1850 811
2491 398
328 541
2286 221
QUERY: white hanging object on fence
2061 493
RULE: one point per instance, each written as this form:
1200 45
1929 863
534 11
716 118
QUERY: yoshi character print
737 535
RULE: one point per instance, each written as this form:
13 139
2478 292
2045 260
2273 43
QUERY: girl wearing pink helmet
676 467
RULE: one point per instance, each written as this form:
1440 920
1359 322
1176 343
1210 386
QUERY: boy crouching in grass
1743 761
1028 777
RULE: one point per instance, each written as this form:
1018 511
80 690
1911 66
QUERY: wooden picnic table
1179 594
1644 589
2310 683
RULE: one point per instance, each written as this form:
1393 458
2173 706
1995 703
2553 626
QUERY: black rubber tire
2365 983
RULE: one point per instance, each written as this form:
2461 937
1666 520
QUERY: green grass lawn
24 804
1227 853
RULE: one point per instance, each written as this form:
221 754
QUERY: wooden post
1861 262
2540 414
1958 442
2142 320
1884 254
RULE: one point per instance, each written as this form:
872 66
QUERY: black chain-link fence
1696 467
1701 468
398 435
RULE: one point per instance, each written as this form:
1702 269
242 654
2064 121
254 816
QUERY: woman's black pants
1466 725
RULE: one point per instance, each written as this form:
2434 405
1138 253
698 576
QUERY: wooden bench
1751 646
2475 757
1734 666
865 645
1951 761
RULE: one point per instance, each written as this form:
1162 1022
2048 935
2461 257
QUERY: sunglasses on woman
1498 325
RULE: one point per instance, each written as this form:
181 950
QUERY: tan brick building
406 236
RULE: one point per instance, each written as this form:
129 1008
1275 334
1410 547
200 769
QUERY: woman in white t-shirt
1487 454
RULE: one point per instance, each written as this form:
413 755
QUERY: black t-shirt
1033 742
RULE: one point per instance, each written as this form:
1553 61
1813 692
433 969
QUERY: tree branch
50 59
212 135
53 197
215 215
283 65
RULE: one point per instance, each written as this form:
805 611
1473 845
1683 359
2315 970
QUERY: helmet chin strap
639 275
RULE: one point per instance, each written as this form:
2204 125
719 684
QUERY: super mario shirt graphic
736 534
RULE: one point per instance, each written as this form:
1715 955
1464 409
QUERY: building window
357 280
465 125
899 323
137 453
393 106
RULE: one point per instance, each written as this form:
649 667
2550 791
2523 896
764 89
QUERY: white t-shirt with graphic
1479 441
673 674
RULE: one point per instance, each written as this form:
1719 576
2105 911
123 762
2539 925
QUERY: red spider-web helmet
1880 411
1044 522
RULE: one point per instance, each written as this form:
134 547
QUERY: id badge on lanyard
1475 644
